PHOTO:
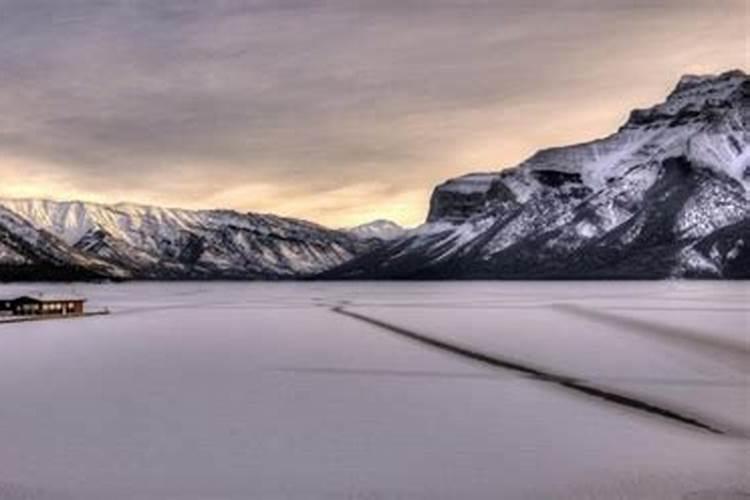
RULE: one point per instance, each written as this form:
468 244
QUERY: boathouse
42 306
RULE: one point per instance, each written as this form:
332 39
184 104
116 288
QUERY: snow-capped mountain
151 242
27 252
380 229
667 195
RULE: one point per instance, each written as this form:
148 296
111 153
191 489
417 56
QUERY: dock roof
46 298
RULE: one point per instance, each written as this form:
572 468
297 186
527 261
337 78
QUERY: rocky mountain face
30 253
138 242
667 195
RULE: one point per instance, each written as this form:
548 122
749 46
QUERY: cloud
191 102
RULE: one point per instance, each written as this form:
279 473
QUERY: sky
339 111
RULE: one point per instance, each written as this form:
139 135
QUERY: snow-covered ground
263 391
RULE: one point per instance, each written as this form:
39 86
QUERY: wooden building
41 306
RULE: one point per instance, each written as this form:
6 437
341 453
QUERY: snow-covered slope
380 229
28 252
666 195
153 242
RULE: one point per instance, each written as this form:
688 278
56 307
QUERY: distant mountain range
667 195
42 239
381 229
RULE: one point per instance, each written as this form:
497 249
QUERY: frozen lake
379 391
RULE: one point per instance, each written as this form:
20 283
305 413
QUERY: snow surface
260 391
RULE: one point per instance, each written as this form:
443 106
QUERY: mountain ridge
598 209
147 242
667 195
380 229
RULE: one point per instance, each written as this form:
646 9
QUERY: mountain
142 242
667 195
27 252
379 229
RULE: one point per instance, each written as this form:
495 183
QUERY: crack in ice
570 383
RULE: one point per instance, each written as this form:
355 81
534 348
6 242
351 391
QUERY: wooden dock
52 317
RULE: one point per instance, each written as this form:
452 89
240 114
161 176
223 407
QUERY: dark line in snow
375 372
545 376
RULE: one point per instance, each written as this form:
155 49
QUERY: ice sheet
244 391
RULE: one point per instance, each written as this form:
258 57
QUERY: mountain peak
704 118
695 99
690 81
381 229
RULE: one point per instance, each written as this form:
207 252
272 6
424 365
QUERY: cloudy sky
338 111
